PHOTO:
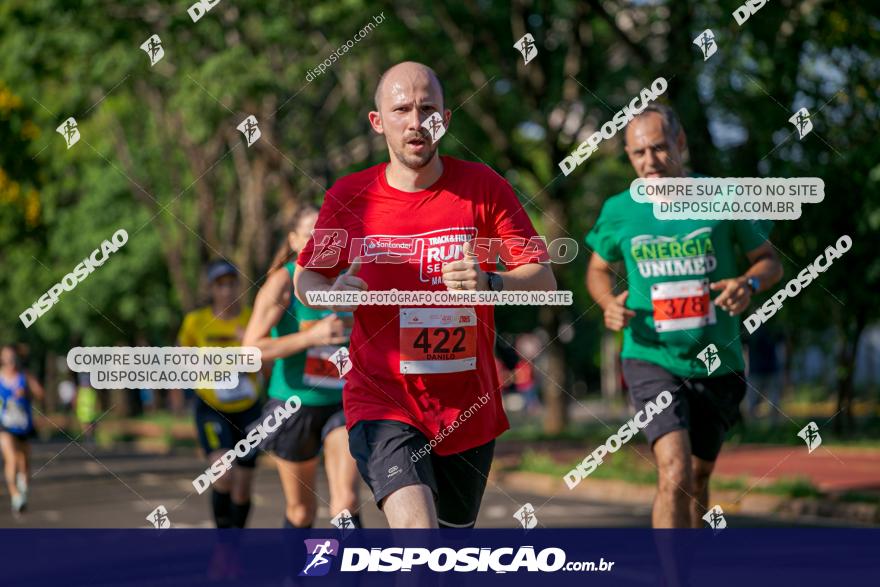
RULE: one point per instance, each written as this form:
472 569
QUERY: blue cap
218 269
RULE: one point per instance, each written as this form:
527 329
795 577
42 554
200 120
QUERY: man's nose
650 157
415 119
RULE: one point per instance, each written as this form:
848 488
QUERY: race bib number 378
682 305
437 340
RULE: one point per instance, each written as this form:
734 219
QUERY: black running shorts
706 407
386 452
300 437
222 430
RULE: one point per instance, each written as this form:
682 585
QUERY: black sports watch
754 284
495 281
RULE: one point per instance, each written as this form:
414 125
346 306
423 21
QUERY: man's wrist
753 283
309 336
493 282
316 290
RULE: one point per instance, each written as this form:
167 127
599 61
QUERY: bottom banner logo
320 553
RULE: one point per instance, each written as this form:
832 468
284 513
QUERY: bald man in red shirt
422 401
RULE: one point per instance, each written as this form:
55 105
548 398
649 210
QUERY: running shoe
18 503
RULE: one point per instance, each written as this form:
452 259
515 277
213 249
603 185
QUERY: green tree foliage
161 157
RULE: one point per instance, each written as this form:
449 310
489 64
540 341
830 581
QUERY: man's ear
376 122
681 141
447 116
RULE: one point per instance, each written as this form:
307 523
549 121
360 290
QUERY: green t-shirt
308 374
669 265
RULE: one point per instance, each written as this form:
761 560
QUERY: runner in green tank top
308 375
301 340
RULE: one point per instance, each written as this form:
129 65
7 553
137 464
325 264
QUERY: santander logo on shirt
431 250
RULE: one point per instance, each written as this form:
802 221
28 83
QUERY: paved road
84 487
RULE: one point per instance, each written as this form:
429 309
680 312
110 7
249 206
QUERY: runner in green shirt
301 341
683 294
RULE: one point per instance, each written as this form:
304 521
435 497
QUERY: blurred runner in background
223 415
528 349
301 340
17 387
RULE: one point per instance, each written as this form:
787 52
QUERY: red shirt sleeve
508 220
328 249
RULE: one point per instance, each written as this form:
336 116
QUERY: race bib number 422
437 340
682 305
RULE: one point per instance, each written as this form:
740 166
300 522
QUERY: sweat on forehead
405 72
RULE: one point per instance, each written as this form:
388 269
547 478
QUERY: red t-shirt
421 365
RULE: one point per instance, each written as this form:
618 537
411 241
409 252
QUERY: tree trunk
787 366
170 241
132 406
610 366
553 384
683 93
251 249
846 358
174 260
50 383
